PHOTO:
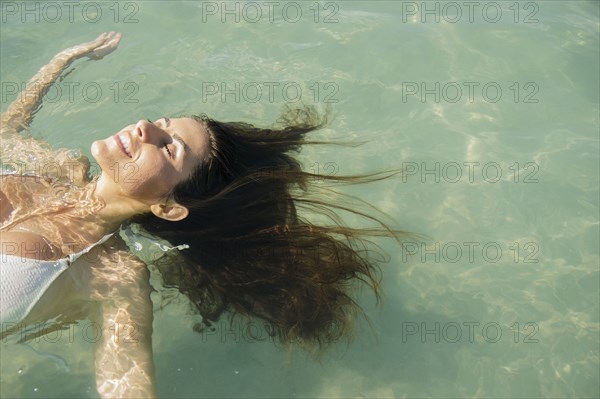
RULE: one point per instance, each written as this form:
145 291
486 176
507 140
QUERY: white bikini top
23 281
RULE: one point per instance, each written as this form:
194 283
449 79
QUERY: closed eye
175 137
168 151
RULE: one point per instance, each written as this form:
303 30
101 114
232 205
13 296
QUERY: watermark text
69 11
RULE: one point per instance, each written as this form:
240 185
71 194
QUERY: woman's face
148 159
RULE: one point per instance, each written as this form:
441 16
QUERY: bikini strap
73 257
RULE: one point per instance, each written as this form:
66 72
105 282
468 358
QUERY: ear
172 211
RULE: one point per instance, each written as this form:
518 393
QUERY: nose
148 132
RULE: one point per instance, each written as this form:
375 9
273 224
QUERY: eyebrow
177 137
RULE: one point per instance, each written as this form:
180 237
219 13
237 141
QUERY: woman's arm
124 363
62 164
20 113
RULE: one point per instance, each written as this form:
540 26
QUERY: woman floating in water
225 193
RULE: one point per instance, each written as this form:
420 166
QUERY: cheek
146 180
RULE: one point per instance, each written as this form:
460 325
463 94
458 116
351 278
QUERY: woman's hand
104 44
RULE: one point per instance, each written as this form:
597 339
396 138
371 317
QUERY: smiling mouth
124 144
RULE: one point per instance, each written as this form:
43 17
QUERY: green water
502 301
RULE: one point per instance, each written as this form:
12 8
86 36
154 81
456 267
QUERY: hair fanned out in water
250 249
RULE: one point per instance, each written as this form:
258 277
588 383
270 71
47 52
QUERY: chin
95 149
100 153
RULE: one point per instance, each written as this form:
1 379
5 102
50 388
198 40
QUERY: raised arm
20 113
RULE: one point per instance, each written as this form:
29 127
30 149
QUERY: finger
114 41
101 39
95 43
108 36
111 42
111 45
107 47
101 51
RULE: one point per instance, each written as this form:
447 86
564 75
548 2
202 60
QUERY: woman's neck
116 207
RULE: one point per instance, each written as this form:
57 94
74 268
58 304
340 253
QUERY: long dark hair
250 249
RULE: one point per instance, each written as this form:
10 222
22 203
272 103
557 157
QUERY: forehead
194 134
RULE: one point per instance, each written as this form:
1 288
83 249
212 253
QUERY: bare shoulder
115 273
